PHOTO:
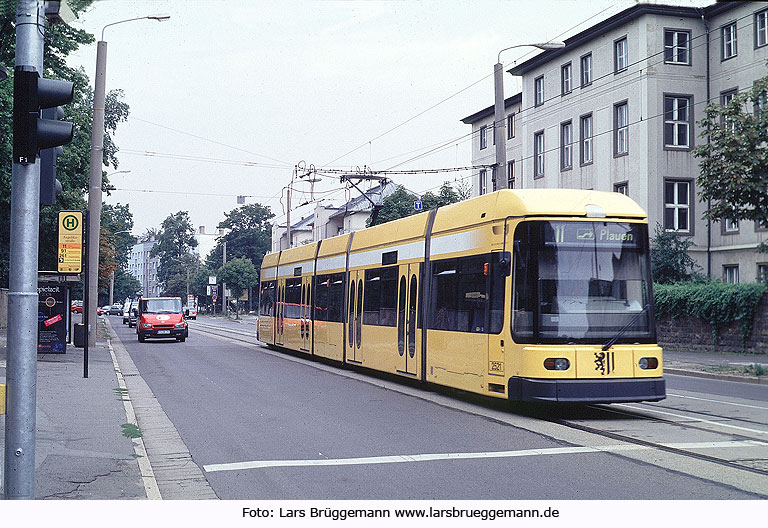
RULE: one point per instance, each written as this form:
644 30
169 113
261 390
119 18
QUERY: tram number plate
159 332
496 366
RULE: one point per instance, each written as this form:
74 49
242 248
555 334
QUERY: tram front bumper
587 391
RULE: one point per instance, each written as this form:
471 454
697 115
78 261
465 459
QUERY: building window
761 28
621 188
538 154
566 78
728 38
762 273
483 137
586 139
538 89
586 70
620 57
761 225
511 174
566 146
677 121
621 128
725 99
493 179
677 46
730 227
511 126
731 273
677 206
483 182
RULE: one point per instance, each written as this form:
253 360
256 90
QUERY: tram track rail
544 413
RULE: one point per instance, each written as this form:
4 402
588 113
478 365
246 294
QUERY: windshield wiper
624 328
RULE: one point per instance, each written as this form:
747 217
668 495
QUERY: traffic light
31 133
50 187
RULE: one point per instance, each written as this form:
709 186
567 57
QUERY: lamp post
498 114
94 183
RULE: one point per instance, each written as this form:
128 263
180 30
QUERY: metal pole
86 315
94 186
498 127
224 284
288 217
21 366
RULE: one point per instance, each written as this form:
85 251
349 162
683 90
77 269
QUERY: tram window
329 297
321 297
380 303
468 295
581 282
293 298
372 297
267 298
336 298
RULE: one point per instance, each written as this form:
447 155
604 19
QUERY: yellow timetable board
70 254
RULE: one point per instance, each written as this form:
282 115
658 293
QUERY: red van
161 317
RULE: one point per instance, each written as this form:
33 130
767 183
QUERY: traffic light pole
21 367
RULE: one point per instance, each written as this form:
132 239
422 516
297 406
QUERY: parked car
115 309
190 312
101 310
77 307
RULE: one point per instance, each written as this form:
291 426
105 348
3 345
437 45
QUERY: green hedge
715 302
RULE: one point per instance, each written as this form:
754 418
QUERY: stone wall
689 333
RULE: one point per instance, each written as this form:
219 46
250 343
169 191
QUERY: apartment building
144 267
617 110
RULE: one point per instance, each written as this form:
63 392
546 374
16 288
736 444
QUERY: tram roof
539 202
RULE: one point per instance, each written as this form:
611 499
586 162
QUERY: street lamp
97 161
498 114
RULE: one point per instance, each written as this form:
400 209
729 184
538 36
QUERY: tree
178 264
73 165
733 175
239 274
249 235
399 204
670 261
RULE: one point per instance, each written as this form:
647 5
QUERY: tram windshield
581 282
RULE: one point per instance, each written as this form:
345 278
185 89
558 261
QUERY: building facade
617 110
144 267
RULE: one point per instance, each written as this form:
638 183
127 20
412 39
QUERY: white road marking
396 459
692 418
718 401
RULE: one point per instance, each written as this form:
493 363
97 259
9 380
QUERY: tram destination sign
611 234
70 251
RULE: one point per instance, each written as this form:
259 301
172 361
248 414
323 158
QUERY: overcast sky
227 97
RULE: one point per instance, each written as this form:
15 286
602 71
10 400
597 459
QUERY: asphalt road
267 425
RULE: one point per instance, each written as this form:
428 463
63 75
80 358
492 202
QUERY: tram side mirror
505 264
186 312
135 311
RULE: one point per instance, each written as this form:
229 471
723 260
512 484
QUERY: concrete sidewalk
81 452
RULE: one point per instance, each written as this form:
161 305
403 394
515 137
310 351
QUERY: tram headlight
557 364
648 363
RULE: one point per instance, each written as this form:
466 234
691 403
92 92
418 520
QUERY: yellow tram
531 294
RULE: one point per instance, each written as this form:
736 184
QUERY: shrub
715 302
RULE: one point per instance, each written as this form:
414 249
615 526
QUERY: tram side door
354 319
408 334
280 312
306 314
